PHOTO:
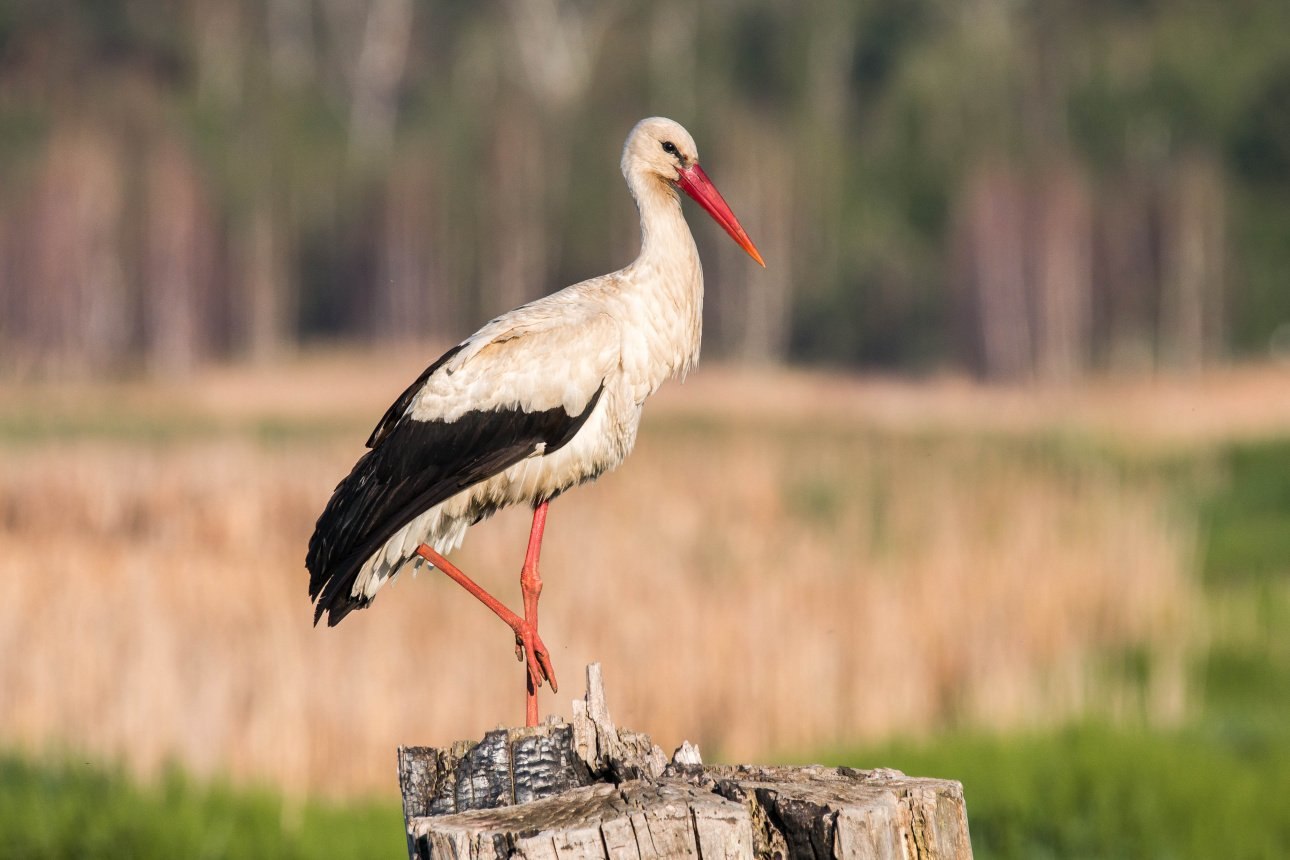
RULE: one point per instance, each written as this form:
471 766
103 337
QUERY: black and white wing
522 387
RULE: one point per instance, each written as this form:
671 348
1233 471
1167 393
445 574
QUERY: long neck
665 235
667 278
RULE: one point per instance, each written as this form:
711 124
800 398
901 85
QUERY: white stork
537 401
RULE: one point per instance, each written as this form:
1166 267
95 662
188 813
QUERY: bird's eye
670 148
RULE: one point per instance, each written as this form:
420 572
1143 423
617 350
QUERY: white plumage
537 401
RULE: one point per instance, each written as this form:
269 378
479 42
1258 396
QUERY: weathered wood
611 752
589 790
843 812
507 767
669 818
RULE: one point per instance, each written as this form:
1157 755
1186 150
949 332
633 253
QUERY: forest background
1027 190
986 476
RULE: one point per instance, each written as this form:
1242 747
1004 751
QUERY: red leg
528 644
531 588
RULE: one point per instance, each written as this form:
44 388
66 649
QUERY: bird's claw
530 648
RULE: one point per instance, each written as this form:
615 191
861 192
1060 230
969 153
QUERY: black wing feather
413 466
399 408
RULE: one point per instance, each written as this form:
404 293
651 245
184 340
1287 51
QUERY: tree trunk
993 240
179 254
587 790
1063 276
378 74
1191 302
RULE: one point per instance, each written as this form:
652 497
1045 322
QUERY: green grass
1247 519
72 810
1100 792
1215 787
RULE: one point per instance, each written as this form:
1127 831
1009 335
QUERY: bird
539 400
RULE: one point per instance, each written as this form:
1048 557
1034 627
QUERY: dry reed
760 590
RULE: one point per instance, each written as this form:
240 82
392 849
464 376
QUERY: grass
1246 519
1101 792
1212 787
74 810
972 585
1073 602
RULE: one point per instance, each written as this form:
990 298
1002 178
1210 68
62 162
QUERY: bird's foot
530 648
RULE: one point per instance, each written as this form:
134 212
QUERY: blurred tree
1031 190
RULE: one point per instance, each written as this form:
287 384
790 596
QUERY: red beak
695 182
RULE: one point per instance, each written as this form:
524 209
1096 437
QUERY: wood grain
589 791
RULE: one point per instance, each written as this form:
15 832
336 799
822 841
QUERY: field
1212 786
790 566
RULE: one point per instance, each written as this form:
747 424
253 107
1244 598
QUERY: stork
539 400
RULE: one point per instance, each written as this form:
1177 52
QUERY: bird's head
662 149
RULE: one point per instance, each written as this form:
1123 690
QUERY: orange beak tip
699 187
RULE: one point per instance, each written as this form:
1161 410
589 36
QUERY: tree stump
583 790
